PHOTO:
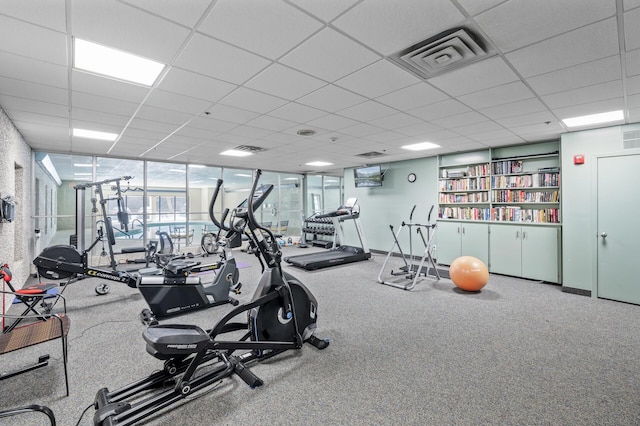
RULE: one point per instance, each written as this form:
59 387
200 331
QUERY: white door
618 232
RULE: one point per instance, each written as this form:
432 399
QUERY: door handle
517 234
603 235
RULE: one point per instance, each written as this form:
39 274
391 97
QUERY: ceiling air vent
446 51
249 148
631 139
372 154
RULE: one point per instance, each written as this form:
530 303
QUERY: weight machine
410 271
59 262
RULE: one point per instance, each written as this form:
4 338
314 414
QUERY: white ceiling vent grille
443 53
249 148
372 154
631 139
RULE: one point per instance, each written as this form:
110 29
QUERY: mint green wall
578 199
392 203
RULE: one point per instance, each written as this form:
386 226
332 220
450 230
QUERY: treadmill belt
332 257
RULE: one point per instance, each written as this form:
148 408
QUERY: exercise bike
281 316
180 290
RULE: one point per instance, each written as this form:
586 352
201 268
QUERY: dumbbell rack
320 229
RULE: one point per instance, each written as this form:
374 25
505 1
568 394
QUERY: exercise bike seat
166 341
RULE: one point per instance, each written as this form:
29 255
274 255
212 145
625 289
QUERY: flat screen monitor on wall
367 177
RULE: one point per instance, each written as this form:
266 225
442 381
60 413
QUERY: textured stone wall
16 238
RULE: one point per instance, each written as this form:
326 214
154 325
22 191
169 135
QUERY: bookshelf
502 205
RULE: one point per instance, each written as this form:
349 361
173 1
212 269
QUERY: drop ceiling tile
518 23
297 112
11 103
46 13
585 44
540 128
249 132
284 82
504 94
92 125
439 110
127 28
325 10
150 128
396 121
412 97
30 117
186 13
333 122
473 7
231 114
632 29
598 71
195 85
269 27
472 129
634 115
281 138
367 111
28 69
512 109
252 100
99 117
196 133
633 62
329 56
630 4
173 101
331 98
477 76
361 130
583 95
420 130
33 91
89 145
633 101
101 103
378 79
237 67
175 118
633 85
33 41
495 135
213 124
531 118
386 137
453 121
590 108
390 26
106 87
271 123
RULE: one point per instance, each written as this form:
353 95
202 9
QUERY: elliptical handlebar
269 254
212 215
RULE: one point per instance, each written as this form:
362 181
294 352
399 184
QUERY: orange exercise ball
469 273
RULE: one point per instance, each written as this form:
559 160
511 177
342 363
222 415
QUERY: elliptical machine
281 316
178 290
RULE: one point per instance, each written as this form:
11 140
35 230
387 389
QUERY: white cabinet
455 239
525 251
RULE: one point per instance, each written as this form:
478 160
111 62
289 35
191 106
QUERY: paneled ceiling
255 72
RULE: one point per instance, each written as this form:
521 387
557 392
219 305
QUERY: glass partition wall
158 196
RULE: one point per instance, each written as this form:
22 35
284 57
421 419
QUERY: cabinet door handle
603 235
524 235
463 230
517 234
458 229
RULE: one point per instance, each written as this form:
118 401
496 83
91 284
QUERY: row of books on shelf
533 180
472 197
519 214
515 196
501 214
506 167
465 184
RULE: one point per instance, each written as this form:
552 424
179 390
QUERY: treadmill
338 254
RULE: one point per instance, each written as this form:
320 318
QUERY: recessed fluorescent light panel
420 146
115 63
92 134
586 120
236 153
319 164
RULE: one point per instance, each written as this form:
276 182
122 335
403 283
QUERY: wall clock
411 177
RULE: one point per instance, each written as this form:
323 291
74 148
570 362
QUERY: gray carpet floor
517 353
